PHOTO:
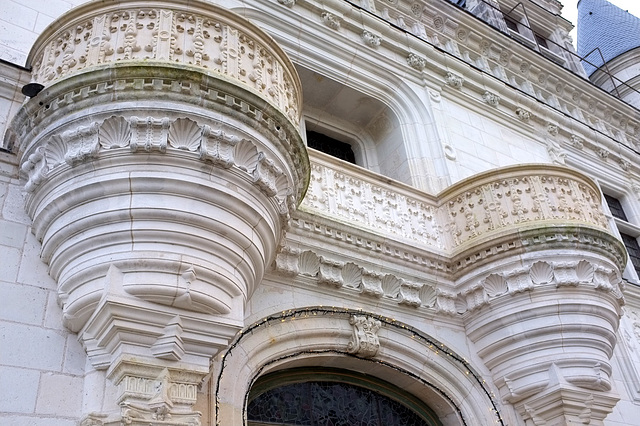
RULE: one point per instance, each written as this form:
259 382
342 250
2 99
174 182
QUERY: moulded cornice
173 83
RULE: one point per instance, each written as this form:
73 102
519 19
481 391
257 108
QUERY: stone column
163 159
539 289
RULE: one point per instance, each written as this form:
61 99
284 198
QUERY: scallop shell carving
391 286
461 305
309 264
115 132
282 187
246 155
351 275
584 271
495 285
55 151
541 273
185 134
427 295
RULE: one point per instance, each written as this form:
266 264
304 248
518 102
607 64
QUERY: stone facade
170 242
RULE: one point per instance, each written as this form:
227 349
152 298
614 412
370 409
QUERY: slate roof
604 25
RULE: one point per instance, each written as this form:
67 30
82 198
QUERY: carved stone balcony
537 273
163 159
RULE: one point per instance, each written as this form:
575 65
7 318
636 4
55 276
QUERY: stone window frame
624 227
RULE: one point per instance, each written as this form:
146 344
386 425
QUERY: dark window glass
511 24
631 243
329 404
615 207
541 41
331 146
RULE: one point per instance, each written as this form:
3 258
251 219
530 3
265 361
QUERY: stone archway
356 341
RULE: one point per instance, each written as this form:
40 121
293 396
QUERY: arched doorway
320 337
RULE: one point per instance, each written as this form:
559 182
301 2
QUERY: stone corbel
409 294
371 283
454 80
330 20
491 98
416 62
523 115
371 39
287 261
288 3
330 272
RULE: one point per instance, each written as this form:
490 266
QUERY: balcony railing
482 207
216 42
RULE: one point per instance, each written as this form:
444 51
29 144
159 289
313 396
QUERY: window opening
331 146
542 42
631 244
615 207
511 24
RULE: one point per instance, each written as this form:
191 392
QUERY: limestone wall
42 364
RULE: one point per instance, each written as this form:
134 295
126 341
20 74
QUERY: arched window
304 397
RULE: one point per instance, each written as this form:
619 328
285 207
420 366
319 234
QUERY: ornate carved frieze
541 273
352 277
370 205
364 341
517 198
488 204
219 42
157 134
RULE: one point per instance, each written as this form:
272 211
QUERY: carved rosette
163 160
